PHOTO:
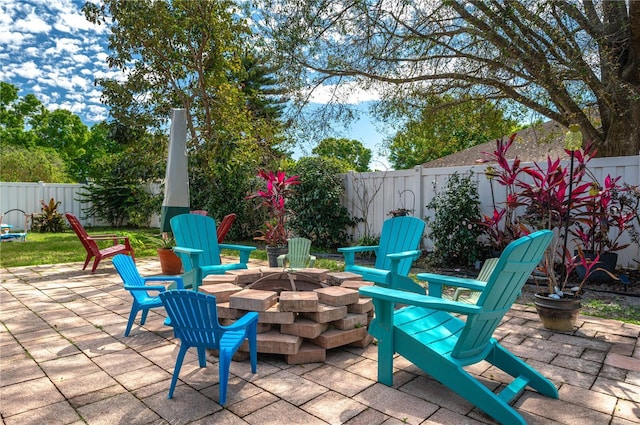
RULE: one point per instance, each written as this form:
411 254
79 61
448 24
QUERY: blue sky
49 49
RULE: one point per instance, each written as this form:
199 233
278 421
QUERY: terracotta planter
169 262
557 315
273 252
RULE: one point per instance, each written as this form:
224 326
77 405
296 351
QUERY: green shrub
318 212
454 229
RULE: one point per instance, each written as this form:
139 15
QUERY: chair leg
253 347
144 316
506 361
132 317
176 369
472 390
86 261
95 264
202 357
225 361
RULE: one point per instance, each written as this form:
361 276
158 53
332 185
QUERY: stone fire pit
301 314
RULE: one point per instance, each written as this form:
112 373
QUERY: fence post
417 185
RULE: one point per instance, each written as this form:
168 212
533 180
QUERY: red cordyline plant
537 199
273 200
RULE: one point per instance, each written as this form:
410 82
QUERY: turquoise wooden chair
137 286
198 248
426 333
298 255
398 248
194 318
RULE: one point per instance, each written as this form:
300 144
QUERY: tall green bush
454 229
319 214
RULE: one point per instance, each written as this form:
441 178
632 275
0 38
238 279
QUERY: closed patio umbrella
176 181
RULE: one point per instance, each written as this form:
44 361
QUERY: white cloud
349 93
81 58
27 70
14 40
33 24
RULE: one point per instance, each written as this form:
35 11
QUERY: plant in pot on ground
538 198
602 219
273 202
169 262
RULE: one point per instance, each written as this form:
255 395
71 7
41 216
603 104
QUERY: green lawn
55 248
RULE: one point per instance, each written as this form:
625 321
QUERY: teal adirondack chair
398 248
428 335
198 248
298 255
468 296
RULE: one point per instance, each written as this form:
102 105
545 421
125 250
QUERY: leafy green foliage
120 202
21 164
350 154
319 214
446 125
454 229
49 220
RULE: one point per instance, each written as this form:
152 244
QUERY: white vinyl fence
369 196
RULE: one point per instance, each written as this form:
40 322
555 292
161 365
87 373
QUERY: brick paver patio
64 360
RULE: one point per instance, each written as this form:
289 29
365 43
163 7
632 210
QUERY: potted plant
545 197
273 201
169 262
603 218
400 212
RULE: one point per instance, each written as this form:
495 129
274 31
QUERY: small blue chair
398 247
194 317
136 285
428 333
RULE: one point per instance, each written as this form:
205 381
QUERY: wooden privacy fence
370 196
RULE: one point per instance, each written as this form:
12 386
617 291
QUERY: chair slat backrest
197 232
298 252
194 317
128 271
399 234
503 286
225 225
82 234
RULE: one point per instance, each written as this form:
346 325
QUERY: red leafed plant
273 201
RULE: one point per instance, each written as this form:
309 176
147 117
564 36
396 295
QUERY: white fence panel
385 188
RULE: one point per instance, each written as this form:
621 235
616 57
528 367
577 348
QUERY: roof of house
531 144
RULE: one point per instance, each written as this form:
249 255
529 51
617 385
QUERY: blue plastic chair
428 335
198 248
398 248
194 317
137 286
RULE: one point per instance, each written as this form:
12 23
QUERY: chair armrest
145 288
410 298
177 279
436 281
242 322
189 251
244 250
349 253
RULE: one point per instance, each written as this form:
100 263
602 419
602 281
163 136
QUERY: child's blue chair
137 286
194 318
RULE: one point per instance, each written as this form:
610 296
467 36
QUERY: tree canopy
445 127
351 154
574 61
